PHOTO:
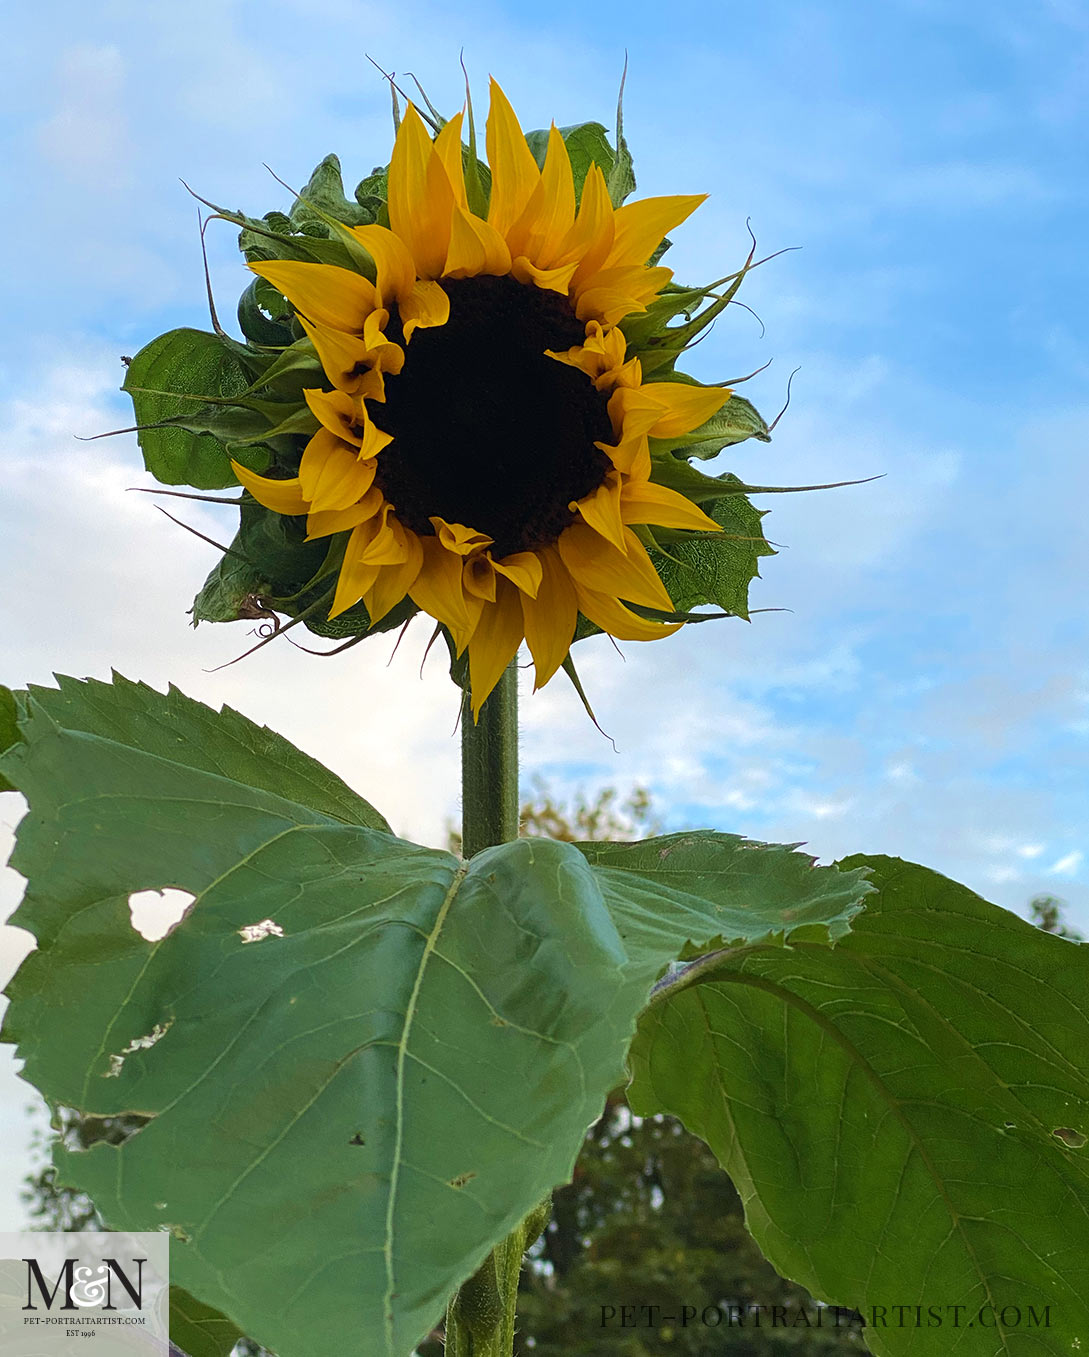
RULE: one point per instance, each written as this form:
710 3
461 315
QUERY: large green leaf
159 378
362 1062
905 1115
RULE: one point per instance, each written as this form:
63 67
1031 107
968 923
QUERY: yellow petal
393 262
478 575
550 617
326 294
283 497
330 521
394 581
425 306
684 407
458 538
601 510
611 616
631 456
382 353
549 214
349 419
421 200
494 643
331 476
635 286
596 564
633 413
438 589
555 280
523 569
514 171
591 238
356 575
475 248
609 305
344 357
448 150
645 502
641 226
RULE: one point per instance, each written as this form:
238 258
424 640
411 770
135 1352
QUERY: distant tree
1046 912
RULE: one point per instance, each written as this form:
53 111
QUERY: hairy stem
489 768
480 1318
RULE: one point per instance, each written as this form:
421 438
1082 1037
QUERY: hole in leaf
1073 1140
267 928
155 913
461 1179
143 1043
357 1139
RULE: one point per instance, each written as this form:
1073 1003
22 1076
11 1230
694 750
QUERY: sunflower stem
480 1319
489 768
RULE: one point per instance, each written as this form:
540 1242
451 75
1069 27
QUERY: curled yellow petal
554 280
523 569
425 306
458 538
345 357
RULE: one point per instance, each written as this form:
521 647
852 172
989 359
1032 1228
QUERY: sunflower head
471 408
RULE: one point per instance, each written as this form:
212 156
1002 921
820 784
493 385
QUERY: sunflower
484 441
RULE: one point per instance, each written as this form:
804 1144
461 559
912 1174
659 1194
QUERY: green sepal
257 319
373 194
716 568
323 197
164 379
736 421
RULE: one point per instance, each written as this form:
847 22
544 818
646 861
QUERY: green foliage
9 729
185 363
651 1219
197 1329
899 1112
587 144
734 423
347 1037
716 568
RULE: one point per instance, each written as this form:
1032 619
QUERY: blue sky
926 694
